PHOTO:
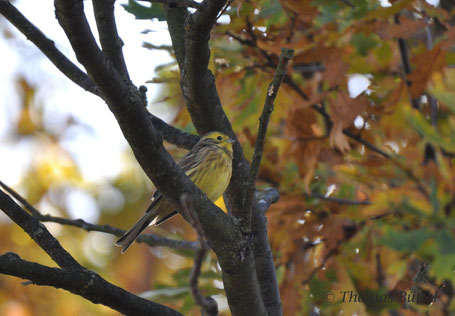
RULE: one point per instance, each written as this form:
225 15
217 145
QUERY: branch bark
208 304
38 232
198 86
107 29
82 282
265 267
176 18
72 277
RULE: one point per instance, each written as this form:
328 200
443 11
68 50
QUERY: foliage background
349 218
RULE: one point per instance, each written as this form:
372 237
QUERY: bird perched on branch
208 165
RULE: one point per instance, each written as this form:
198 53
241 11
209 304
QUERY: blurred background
348 218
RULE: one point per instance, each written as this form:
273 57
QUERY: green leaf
419 123
378 300
407 241
446 242
154 11
443 266
364 43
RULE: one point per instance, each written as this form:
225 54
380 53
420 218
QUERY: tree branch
199 90
38 232
176 18
150 239
71 16
72 72
47 47
208 304
82 282
265 267
127 105
367 144
107 29
174 135
21 200
272 91
190 42
198 82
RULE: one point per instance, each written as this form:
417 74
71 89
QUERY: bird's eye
219 138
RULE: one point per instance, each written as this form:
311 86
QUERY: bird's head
219 139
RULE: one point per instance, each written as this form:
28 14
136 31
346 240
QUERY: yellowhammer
208 165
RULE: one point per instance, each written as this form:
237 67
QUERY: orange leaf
343 111
405 29
335 70
424 65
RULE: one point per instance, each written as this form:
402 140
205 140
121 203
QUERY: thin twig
406 64
336 200
366 143
430 153
208 304
150 239
272 91
224 9
349 3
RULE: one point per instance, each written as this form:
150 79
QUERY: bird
208 164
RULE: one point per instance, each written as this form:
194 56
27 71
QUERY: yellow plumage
208 165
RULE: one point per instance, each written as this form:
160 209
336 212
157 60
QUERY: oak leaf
343 111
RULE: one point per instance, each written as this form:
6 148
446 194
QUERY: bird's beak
230 140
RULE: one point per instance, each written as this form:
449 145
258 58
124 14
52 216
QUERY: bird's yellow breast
213 180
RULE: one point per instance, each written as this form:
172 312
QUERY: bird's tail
127 239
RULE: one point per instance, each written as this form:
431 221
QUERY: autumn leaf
343 111
335 70
405 29
424 65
